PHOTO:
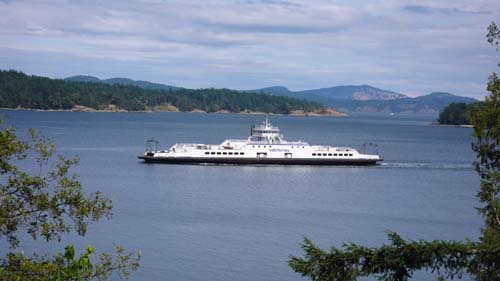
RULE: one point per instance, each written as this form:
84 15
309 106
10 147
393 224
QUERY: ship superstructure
265 145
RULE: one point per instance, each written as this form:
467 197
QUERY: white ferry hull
264 146
257 161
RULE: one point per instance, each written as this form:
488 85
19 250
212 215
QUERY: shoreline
451 125
300 113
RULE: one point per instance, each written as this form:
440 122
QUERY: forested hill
122 81
364 98
18 90
457 113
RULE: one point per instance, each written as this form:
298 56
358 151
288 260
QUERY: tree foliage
44 202
48 202
400 259
68 266
456 114
18 90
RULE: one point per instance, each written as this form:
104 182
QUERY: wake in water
423 165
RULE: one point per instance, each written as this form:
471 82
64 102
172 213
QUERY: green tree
401 258
48 203
20 90
454 114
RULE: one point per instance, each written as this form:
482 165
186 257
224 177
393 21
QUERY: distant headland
90 94
344 98
21 91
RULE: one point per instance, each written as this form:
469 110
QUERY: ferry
265 145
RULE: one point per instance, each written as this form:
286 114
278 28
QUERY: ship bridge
266 133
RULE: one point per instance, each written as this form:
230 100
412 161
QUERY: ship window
324 154
218 153
335 154
329 154
259 146
350 154
206 153
242 153
230 153
212 153
314 154
224 153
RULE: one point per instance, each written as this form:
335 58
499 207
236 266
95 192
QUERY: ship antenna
267 120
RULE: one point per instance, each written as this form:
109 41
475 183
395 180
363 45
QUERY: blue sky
412 47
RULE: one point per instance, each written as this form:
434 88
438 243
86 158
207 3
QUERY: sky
411 47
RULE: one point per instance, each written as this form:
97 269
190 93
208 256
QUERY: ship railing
302 143
324 148
343 149
196 146
370 148
153 145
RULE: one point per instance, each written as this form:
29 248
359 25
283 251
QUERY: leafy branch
50 204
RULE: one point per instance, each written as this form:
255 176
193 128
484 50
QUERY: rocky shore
450 125
171 108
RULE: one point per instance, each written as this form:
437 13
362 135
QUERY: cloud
255 43
273 28
419 9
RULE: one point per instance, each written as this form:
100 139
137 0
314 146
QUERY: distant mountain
83 78
364 98
122 81
140 84
432 103
274 90
361 92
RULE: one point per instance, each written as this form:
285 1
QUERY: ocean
209 222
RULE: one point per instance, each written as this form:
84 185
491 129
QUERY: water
242 222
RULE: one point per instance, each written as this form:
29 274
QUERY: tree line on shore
18 90
455 114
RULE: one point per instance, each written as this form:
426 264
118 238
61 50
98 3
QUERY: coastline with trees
21 91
